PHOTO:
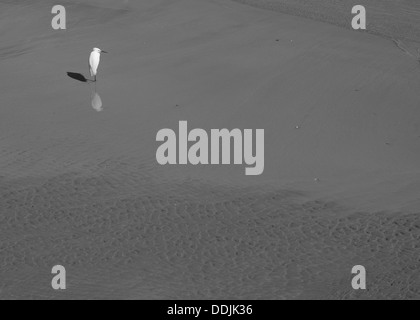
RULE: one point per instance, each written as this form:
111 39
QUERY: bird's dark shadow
78 76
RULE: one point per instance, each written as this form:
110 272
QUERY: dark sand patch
122 239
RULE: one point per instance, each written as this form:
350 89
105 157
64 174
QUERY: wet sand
82 188
389 18
193 241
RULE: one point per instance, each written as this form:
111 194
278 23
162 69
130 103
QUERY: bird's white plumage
94 59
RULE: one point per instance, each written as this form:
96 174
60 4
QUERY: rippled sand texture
195 241
392 18
82 188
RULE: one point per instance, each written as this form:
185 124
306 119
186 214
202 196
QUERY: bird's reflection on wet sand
96 100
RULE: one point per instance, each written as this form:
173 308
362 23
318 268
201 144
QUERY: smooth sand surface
82 188
389 18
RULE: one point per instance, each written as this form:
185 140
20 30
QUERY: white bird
94 59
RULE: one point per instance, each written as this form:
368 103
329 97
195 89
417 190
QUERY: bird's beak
103 51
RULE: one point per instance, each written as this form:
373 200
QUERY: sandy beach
82 188
388 18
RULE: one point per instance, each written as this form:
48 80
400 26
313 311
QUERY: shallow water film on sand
102 197
391 18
